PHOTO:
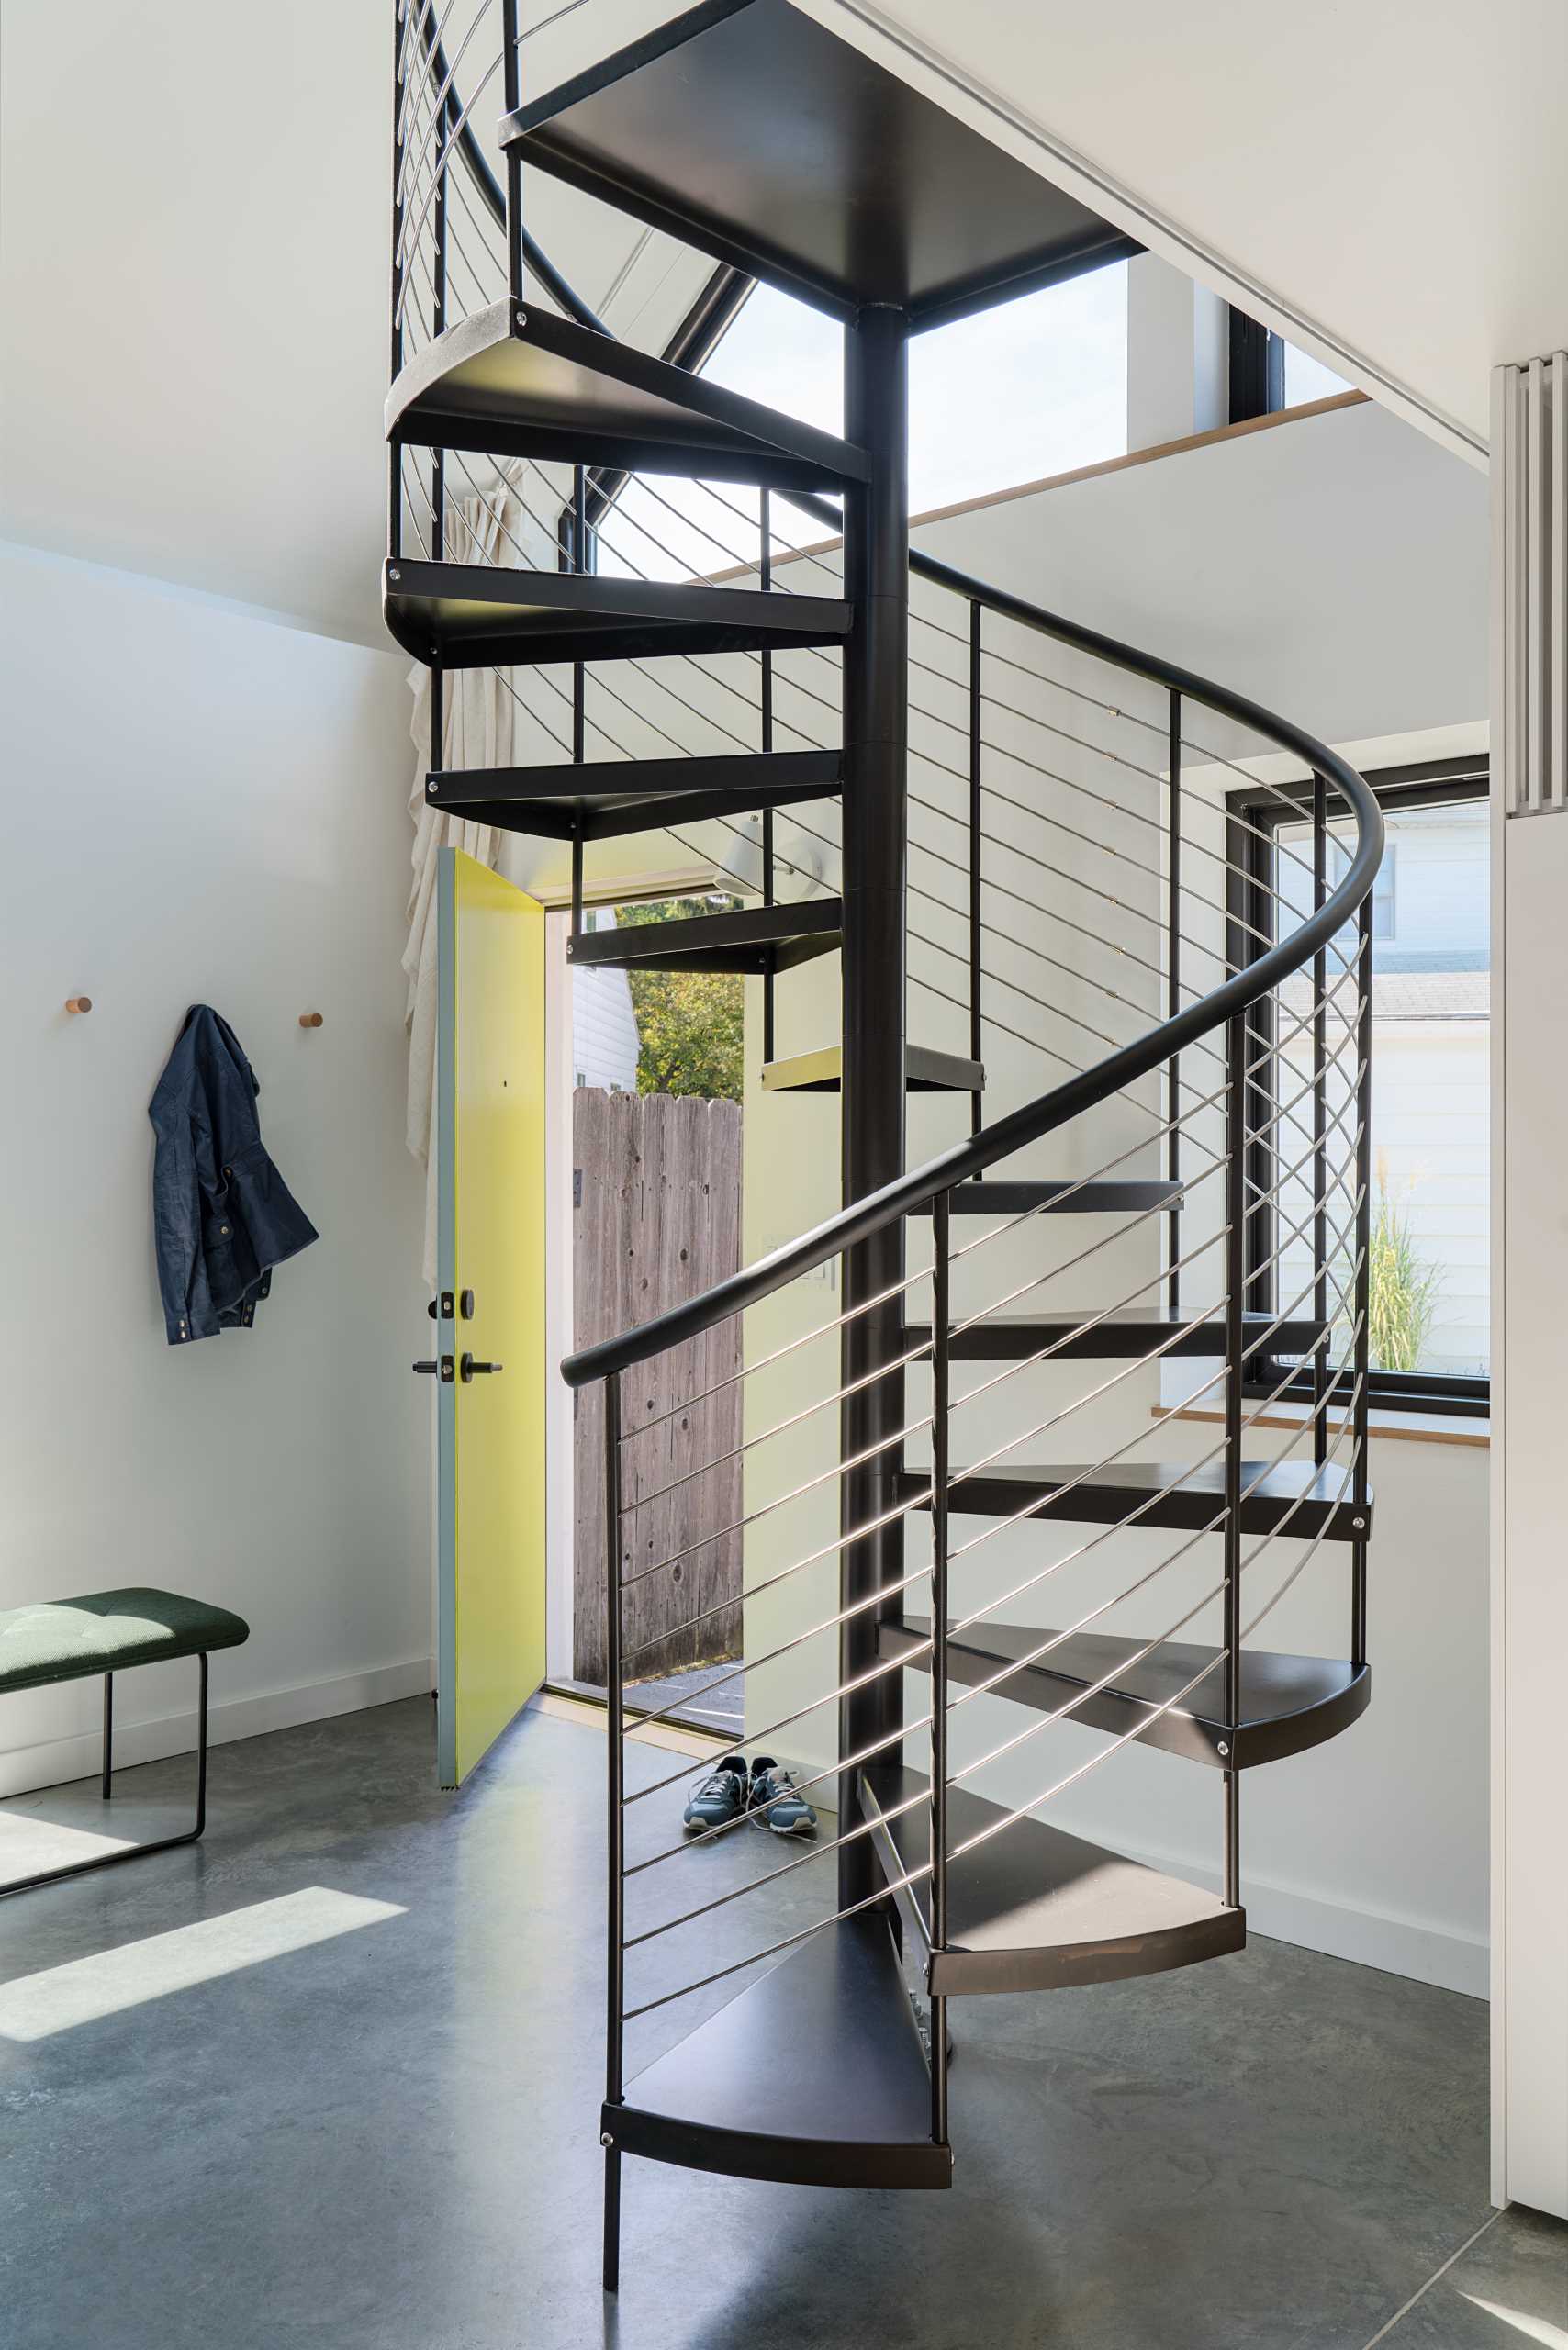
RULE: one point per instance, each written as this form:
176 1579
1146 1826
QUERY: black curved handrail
1092 1086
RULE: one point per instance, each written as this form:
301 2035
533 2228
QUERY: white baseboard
1395 1945
52 1762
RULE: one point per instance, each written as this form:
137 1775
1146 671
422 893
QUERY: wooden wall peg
78 1003
311 1020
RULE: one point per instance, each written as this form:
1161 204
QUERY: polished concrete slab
333 2078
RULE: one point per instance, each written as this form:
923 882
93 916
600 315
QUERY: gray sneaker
773 1802
720 1796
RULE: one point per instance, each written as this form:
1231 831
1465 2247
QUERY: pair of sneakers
761 1791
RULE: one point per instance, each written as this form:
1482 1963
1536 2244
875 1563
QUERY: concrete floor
351 2099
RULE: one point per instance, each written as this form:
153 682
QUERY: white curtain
479 732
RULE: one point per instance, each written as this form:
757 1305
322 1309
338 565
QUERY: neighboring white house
604 1026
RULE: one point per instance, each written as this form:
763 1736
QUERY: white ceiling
194 266
1393 172
194 230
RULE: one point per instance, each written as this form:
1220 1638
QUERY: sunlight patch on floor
1529 2329
36 2006
30 1844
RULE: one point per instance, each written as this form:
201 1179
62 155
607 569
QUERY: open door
490 1261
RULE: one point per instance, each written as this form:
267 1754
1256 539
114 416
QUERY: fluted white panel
1530 450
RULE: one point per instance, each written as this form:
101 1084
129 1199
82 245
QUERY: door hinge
576 1187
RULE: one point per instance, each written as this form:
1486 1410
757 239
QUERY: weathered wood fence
657 1217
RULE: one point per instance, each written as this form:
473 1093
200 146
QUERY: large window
1032 388
1025 389
1429 1159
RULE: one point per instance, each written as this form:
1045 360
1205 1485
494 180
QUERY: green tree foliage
690 1024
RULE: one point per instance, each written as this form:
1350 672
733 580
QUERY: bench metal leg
133 1851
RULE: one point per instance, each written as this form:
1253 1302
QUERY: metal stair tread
1033 1909
757 938
1288 1702
472 616
926 1071
1124 1334
552 390
748 129
812 2076
1311 1500
604 798
1064 1195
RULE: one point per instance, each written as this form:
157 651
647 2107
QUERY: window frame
1254 817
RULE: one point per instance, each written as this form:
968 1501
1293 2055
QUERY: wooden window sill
1398 1427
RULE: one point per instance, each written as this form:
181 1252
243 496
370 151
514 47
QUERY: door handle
468 1369
432 1369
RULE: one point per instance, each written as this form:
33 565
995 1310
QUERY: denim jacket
222 1215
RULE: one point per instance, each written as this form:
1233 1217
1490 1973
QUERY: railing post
1362 1286
940 1473
976 1027
1320 1128
765 520
512 85
1173 1001
615 1986
437 327
395 449
1235 1341
579 668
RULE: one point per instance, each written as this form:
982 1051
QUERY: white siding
604 1026
604 1031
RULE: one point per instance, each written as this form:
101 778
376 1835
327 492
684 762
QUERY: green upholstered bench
107 1632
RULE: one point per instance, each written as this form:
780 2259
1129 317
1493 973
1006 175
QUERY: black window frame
1256 369
1255 815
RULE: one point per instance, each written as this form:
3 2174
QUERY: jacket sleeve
183 1285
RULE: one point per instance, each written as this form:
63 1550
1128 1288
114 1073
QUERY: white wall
1333 568
1279 171
194 309
203 803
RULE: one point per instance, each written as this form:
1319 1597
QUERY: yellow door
490 1260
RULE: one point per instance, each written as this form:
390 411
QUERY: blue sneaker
720 1796
774 1804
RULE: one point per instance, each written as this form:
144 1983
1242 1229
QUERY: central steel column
876 726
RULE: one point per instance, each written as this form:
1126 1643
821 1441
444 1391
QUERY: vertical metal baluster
579 668
1235 1291
976 1030
1173 1002
941 1472
767 874
437 327
616 1820
395 451
1320 1127
512 85
1363 1288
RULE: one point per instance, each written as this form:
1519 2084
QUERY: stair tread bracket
532 384
1033 1909
474 616
813 2076
1288 1702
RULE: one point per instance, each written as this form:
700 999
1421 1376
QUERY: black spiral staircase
1219 1153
